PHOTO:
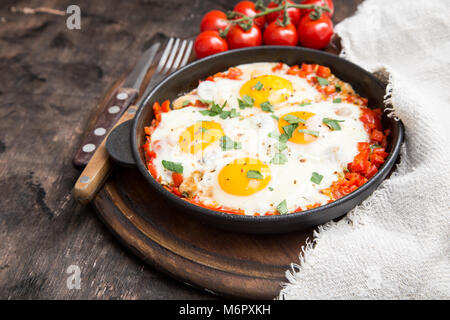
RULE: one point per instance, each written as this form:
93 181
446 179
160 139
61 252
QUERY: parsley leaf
374 146
293 119
279 158
274 134
267 107
185 103
282 207
254 174
283 138
322 81
173 166
310 132
234 114
337 100
258 86
246 102
332 124
289 129
275 117
304 104
316 178
225 114
227 144
205 112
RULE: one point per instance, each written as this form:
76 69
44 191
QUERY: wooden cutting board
225 263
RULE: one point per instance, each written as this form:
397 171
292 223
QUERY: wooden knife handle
110 113
98 168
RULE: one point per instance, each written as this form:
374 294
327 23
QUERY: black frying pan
125 141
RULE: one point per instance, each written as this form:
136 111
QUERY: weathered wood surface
51 78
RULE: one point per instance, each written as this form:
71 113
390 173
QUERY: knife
115 107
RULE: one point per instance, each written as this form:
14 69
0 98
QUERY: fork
97 170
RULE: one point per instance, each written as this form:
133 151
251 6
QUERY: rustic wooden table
50 80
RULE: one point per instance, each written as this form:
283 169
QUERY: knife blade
111 112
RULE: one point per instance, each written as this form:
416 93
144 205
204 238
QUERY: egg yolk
298 137
235 178
267 88
199 136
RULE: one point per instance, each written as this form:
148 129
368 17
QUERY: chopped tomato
330 89
165 107
177 179
377 135
278 67
234 73
323 72
307 68
294 70
376 160
157 111
151 167
371 171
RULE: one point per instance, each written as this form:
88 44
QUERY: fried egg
249 157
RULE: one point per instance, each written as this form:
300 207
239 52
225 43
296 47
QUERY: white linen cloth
396 244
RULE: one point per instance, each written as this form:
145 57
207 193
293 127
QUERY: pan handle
118 145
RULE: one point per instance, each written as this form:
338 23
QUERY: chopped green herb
289 129
304 104
216 109
322 81
254 174
311 132
275 117
279 158
293 119
173 166
274 134
337 100
227 144
281 146
258 86
205 101
338 87
203 129
283 138
185 103
270 188
246 102
282 207
225 114
316 178
205 112
332 124
234 113
375 146
267 107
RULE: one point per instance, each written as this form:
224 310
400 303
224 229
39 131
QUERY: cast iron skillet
125 141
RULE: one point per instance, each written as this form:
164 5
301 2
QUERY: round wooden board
230 264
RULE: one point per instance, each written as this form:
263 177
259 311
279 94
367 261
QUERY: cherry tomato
214 20
329 3
315 34
238 38
209 42
293 13
248 8
275 34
